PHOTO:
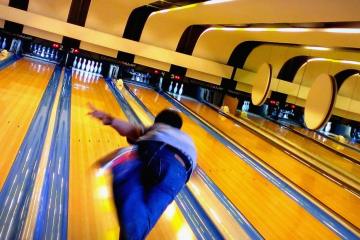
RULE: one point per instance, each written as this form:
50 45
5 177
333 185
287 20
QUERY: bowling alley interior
269 92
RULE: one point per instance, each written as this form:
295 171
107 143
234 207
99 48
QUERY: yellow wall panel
342 102
111 16
243 87
152 63
113 42
3 2
43 34
244 76
354 106
98 49
204 77
55 9
288 88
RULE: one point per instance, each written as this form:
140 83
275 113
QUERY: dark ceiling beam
340 77
79 10
15 27
187 44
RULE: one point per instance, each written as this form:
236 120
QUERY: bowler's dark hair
169 117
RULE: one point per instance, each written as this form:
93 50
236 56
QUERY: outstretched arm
126 129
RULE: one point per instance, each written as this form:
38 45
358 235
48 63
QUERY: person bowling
164 158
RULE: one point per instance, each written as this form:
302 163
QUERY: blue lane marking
237 215
52 220
16 192
333 224
8 61
200 223
195 215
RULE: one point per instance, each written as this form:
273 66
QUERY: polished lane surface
303 142
91 211
269 209
332 195
22 85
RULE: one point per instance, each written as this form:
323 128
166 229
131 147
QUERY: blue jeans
153 182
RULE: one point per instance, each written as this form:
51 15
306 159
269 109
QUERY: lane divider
199 222
52 218
10 60
30 223
236 214
345 232
17 189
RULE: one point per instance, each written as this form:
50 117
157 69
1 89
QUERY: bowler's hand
102 116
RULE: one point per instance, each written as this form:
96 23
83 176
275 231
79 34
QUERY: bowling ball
125 163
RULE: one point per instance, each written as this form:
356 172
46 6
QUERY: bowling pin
75 63
175 88
43 52
171 86
160 84
181 89
3 46
56 55
79 64
92 66
47 55
100 69
88 66
83 67
96 67
52 54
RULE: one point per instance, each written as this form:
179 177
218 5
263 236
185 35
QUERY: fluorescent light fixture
334 61
293 29
342 30
177 8
216 2
317 48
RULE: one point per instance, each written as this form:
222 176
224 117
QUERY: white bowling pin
171 86
83 66
100 69
52 54
47 55
56 55
75 63
175 88
181 89
88 66
43 52
160 83
92 66
96 67
79 64
3 46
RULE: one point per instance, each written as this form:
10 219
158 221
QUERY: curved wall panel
164 28
109 16
55 9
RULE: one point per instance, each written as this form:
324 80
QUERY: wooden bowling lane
336 156
270 210
341 168
22 85
349 149
331 194
91 211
